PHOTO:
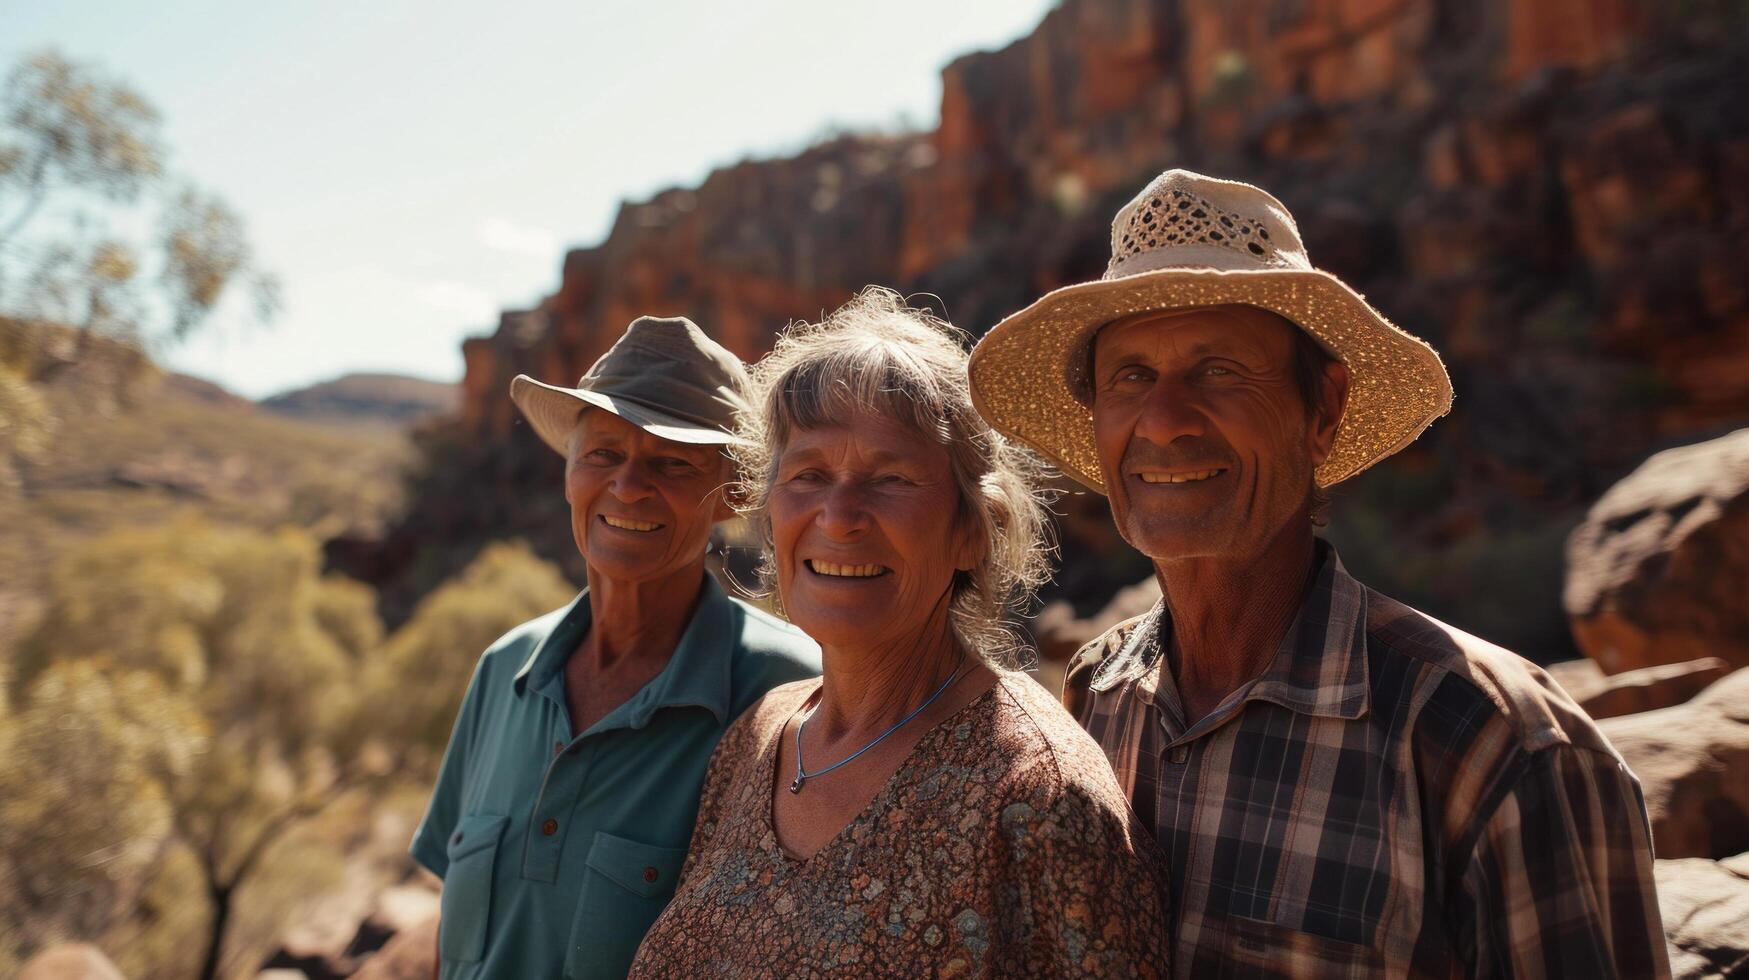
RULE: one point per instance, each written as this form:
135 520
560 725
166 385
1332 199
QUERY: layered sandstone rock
1659 571
1693 764
1551 194
1706 916
1647 689
70 961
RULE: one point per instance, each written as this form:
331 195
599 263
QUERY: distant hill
131 446
392 398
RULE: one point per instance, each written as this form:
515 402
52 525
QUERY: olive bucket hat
1189 241
663 375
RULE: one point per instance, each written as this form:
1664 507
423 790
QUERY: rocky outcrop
411 955
70 961
1693 764
1647 689
1706 916
1551 192
1659 571
333 944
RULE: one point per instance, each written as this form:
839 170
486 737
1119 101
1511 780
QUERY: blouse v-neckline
770 755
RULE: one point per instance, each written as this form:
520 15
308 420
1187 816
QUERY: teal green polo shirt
558 853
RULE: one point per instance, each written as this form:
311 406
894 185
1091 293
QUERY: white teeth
1178 477
621 522
844 571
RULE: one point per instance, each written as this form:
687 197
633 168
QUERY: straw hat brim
1020 369
552 411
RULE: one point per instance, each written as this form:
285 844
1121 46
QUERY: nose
841 513
1170 412
630 483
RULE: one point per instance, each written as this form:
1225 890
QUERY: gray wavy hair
878 355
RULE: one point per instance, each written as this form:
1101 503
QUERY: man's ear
731 496
1327 413
725 505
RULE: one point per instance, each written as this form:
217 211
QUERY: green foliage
235 463
83 808
25 421
90 149
419 678
235 635
1231 79
189 722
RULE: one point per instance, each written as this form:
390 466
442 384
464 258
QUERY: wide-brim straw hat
1188 240
663 375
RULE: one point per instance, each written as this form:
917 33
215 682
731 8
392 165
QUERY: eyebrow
878 457
1200 349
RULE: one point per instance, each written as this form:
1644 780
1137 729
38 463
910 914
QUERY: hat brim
1020 382
552 411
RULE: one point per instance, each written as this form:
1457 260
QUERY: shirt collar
697 675
1319 668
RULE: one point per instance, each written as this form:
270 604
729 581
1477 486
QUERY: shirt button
558 747
458 837
550 828
650 874
1178 754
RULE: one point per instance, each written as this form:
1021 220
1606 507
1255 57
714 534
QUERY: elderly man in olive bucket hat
1342 785
567 796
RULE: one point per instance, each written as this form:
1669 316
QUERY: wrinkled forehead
1196 332
865 433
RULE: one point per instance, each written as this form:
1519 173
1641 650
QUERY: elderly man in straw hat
1341 785
567 797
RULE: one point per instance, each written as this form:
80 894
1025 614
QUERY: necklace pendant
795 785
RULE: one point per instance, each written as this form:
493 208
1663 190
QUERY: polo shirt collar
1319 667
697 675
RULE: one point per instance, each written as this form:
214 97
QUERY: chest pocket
625 888
467 888
1300 835
1244 947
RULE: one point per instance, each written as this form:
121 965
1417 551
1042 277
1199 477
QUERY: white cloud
456 298
507 236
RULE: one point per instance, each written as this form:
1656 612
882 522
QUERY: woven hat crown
1190 240
1188 220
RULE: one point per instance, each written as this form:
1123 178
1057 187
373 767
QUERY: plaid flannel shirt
1391 796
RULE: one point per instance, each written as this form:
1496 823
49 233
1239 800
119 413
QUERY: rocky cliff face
1551 191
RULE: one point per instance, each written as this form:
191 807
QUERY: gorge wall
1553 192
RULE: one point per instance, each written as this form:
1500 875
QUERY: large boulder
1693 764
70 961
1647 689
330 945
1658 573
411 955
1705 905
1058 633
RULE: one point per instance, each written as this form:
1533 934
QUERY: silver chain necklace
802 775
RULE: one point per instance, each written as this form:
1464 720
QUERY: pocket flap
475 832
642 869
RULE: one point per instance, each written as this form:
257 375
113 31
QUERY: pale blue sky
408 168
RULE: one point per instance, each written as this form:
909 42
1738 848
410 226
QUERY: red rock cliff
1552 191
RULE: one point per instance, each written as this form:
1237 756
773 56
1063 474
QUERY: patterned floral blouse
1001 848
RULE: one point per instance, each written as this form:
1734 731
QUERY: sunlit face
642 508
1204 439
865 522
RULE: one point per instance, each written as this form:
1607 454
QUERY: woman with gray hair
921 809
